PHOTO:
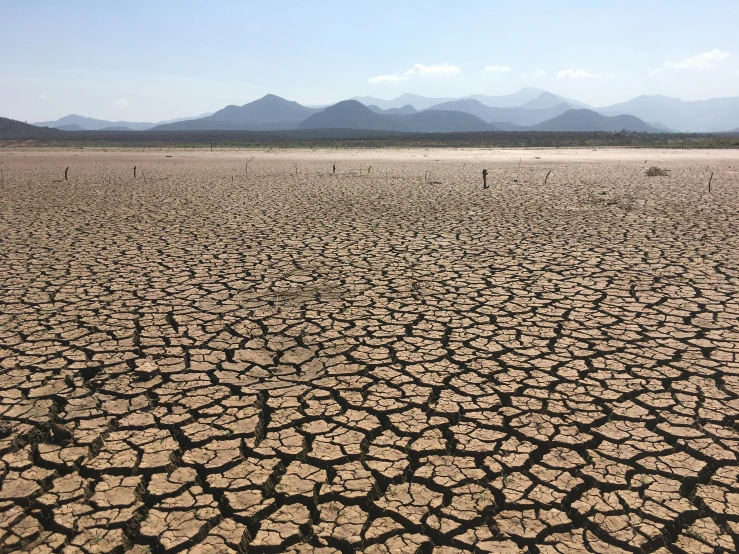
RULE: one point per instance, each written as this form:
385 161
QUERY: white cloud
441 69
494 68
538 74
394 78
707 60
122 103
655 71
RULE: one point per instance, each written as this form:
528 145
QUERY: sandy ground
387 359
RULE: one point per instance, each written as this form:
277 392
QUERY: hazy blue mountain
588 120
269 113
74 122
408 109
418 102
715 114
351 114
538 98
442 121
92 124
517 116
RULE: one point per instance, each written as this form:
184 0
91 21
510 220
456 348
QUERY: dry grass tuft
655 171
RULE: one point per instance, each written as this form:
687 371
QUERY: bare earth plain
381 360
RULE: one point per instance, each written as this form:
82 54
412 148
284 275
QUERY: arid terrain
384 359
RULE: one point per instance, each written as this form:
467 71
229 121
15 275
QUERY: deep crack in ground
205 362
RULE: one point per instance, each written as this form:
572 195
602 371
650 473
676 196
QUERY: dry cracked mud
201 361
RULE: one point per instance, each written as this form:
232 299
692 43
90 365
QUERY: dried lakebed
200 361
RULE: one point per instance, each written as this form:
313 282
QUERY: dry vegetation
203 361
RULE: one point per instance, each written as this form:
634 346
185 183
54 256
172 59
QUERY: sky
163 59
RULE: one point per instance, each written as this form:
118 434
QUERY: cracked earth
201 361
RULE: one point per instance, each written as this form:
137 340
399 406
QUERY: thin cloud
434 70
394 78
122 103
655 71
578 74
496 68
538 74
707 60
40 96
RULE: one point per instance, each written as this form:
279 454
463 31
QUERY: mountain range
528 109
74 122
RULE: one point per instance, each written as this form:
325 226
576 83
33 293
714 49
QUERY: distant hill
713 115
441 121
351 114
517 116
407 109
91 124
588 120
17 130
269 113
537 98
418 102
74 122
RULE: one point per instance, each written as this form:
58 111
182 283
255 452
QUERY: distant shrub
655 171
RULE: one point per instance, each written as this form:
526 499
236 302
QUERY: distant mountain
91 124
351 114
440 121
538 99
17 130
74 122
588 120
517 116
269 113
713 115
418 102
407 109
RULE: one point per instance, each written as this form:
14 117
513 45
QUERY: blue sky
149 61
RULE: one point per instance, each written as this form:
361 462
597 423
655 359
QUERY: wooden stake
65 174
709 182
424 176
368 169
134 172
2 175
246 167
547 177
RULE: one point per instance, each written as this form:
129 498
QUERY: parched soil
381 360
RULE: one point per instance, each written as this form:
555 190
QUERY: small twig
2 176
296 169
368 169
65 173
424 176
709 182
246 165
134 172
547 177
